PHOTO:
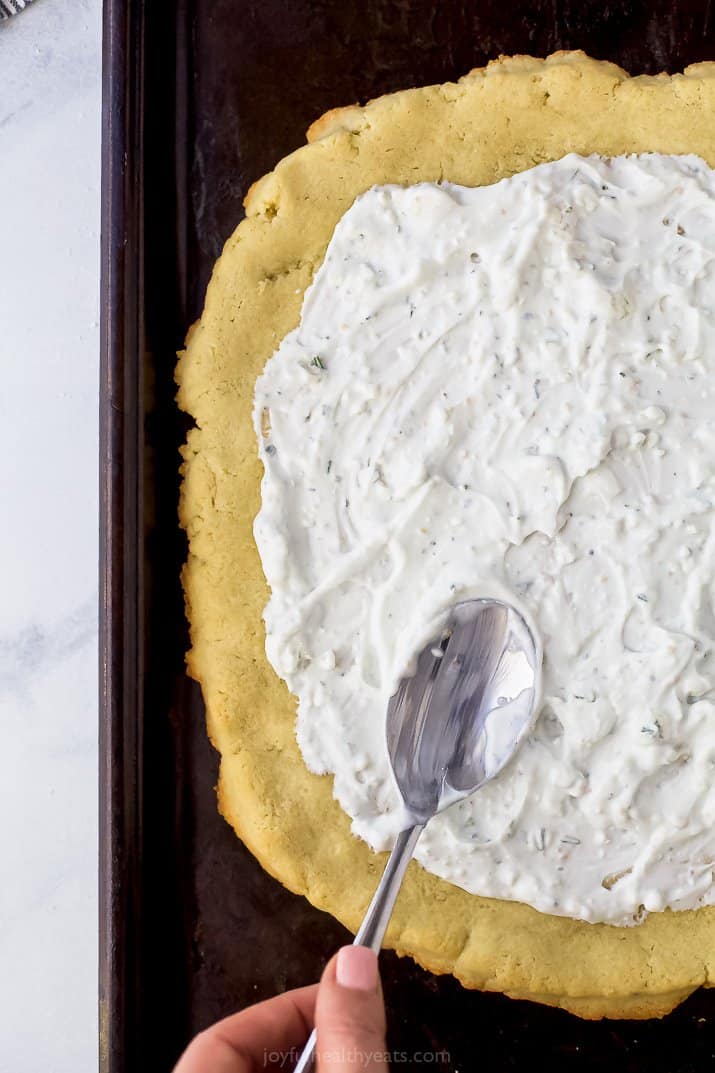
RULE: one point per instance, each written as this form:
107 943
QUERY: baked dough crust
495 121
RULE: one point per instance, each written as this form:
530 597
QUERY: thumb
350 1015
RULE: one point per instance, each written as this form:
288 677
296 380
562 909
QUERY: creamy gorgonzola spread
510 391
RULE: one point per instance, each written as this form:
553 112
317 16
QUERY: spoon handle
374 925
373 928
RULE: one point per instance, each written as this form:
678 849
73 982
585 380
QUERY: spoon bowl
455 723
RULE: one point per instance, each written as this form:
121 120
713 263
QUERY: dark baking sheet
202 97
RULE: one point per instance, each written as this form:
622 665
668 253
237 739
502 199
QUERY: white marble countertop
49 343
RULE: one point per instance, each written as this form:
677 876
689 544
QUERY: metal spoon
451 727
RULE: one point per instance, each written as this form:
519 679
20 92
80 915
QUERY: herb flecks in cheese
510 391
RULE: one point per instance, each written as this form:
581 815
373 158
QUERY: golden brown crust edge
516 112
352 116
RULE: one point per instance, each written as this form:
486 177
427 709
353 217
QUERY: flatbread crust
494 122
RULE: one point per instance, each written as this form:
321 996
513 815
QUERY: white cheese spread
510 391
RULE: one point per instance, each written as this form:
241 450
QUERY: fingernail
356 968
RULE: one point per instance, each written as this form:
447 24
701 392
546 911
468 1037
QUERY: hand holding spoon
451 727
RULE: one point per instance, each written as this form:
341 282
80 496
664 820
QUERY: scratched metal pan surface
200 98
